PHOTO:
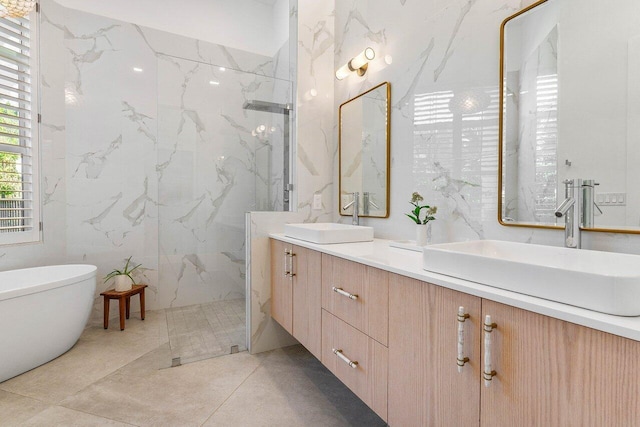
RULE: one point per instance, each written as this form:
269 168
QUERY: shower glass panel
218 158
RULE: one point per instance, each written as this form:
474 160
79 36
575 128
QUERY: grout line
99 416
234 391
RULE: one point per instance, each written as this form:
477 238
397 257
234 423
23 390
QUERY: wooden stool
123 297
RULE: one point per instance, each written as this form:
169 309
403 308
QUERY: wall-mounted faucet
354 203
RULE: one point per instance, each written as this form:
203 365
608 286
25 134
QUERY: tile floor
116 378
206 330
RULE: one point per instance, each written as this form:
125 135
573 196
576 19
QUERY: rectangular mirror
570 109
363 139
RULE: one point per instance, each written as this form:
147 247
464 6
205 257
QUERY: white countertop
408 263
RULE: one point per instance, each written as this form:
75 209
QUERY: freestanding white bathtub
43 311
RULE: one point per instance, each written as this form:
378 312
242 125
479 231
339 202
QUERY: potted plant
422 224
122 278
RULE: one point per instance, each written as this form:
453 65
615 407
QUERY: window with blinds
19 197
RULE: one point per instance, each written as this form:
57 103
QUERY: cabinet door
281 285
554 373
307 299
425 387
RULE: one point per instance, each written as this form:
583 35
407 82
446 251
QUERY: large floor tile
292 388
16 409
97 354
181 396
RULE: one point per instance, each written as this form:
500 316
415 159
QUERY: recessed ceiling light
214 83
138 69
222 69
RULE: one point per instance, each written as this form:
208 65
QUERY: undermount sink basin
601 281
329 232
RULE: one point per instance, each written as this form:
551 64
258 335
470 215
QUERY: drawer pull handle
488 372
345 359
344 293
462 317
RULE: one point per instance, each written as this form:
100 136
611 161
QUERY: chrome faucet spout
355 202
571 210
564 207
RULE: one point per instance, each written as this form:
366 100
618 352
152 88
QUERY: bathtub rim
77 273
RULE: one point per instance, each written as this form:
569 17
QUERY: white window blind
546 160
19 197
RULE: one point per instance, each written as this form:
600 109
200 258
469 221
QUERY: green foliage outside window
10 178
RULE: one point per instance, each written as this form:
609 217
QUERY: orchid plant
415 214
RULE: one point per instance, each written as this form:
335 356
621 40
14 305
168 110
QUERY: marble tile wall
316 147
443 51
142 157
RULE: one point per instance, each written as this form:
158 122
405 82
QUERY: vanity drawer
357 294
367 373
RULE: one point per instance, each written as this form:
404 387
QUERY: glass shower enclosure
223 148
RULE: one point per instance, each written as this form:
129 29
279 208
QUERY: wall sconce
358 64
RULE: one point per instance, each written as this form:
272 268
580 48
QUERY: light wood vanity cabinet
404 336
296 293
548 372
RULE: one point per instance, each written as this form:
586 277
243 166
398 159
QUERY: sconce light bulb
313 92
362 58
261 128
343 72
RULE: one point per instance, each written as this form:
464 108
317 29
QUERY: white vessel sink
329 232
602 281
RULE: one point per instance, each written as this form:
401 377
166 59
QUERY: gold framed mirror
569 109
364 152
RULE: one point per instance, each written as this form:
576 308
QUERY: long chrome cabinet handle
344 358
488 372
461 359
344 293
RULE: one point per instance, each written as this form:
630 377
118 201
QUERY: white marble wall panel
316 147
169 44
439 49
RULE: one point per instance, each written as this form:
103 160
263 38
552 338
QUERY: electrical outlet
317 202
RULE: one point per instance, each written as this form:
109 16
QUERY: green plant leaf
416 220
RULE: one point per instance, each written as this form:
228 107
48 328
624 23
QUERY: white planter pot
123 283
423 234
